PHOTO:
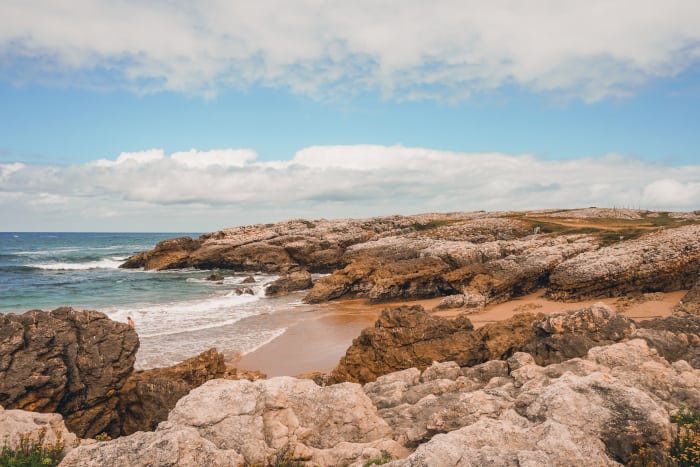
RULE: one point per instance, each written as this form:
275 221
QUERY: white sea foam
264 339
107 263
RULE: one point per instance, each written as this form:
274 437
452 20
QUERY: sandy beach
317 343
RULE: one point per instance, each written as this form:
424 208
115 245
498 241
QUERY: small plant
308 224
685 448
102 437
385 458
30 452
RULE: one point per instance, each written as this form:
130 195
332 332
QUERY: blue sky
466 106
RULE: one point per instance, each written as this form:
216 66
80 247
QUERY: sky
121 115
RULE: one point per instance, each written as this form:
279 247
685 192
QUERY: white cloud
443 49
193 191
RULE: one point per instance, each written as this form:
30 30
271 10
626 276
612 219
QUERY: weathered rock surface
297 280
168 254
66 361
234 422
14 423
674 337
690 303
588 411
663 261
148 396
408 337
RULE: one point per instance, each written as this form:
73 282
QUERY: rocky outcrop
168 254
663 261
66 361
148 396
297 280
408 337
496 255
590 411
255 423
80 364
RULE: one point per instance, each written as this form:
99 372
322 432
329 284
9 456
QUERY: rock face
66 361
408 337
148 396
236 422
297 280
660 262
168 254
80 363
674 337
590 411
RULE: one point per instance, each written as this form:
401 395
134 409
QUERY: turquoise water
178 313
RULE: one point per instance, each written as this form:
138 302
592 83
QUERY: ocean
178 314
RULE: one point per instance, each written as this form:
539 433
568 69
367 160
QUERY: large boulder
405 337
168 254
296 280
240 422
66 361
674 337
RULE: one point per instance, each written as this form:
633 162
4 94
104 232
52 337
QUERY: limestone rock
674 337
66 361
148 396
472 301
14 423
256 423
690 303
297 280
663 261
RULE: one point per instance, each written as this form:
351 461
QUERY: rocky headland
587 387
478 258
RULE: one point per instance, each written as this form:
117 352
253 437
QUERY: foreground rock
406 337
17 423
590 411
229 423
80 364
674 337
66 361
148 396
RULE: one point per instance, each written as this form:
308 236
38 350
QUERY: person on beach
130 322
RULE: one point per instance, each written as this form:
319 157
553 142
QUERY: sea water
178 313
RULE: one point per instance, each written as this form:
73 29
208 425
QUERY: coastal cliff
488 256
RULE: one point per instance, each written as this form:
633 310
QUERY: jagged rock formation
659 262
674 337
230 423
588 411
406 337
66 361
296 280
80 363
492 255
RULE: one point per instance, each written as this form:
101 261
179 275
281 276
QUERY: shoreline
316 344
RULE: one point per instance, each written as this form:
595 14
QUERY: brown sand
317 341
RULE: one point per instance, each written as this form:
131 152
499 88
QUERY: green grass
385 458
32 452
431 225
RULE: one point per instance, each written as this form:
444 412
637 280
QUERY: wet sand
318 341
